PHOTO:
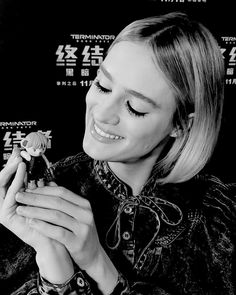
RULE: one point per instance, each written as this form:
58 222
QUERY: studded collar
120 189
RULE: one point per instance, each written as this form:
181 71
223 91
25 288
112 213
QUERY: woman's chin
93 152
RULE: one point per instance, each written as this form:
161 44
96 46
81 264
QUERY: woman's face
130 107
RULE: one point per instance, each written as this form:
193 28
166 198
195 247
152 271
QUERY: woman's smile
102 135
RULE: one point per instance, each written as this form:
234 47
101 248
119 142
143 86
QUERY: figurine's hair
36 140
190 59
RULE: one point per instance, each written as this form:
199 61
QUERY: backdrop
49 55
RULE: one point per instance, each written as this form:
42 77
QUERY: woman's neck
135 174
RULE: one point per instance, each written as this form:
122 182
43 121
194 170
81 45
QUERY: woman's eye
132 111
100 87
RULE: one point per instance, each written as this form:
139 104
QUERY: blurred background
49 55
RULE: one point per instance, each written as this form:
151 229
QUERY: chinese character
232 60
92 55
69 72
48 135
12 139
230 71
67 56
85 72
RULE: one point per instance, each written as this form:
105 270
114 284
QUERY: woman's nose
107 112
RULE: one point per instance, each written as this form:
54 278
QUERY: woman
135 214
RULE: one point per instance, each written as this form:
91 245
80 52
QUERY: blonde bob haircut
191 61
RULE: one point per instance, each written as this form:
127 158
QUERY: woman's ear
177 131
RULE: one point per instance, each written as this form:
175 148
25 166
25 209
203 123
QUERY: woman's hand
18 224
51 255
67 218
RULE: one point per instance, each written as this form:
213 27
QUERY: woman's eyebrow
130 91
106 73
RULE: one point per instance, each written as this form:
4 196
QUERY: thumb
16 185
10 168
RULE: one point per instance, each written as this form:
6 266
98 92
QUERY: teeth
102 133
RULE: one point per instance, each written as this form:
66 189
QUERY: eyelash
100 88
132 111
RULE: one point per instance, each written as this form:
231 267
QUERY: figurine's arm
25 155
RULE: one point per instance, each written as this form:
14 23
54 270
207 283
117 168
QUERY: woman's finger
54 232
55 204
61 192
52 216
10 168
16 185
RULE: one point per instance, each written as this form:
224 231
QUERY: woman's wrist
103 272
55 264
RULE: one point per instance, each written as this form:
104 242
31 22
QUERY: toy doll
34 146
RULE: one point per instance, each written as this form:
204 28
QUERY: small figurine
34 146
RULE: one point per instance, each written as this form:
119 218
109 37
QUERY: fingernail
19 196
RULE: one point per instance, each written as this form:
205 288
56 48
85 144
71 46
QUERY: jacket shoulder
68 164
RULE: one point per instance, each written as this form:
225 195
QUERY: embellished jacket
169 239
